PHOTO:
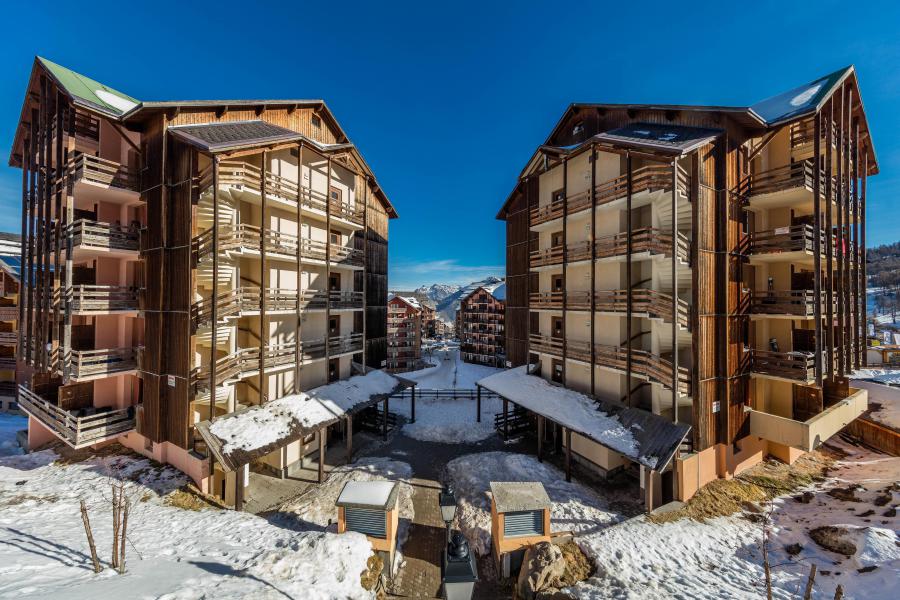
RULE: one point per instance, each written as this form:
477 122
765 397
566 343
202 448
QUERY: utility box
520 517
370 508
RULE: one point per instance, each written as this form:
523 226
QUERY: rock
883 499
578 566
891 512
793 549
542 569
832 538
805 497
868 569
847 494
868 513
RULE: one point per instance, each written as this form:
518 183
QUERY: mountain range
446 297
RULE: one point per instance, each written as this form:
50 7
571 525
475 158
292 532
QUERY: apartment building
187 260
481 331
404 334
10 251
699 271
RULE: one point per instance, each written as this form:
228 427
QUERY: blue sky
447 101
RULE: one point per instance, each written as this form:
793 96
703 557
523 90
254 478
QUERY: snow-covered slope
448 306
437 291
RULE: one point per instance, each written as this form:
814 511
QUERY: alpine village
681 382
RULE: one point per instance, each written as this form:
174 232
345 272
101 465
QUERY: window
335 195
557 283
556 239
334 282
316 121
557 374
336 237
557 196
557 324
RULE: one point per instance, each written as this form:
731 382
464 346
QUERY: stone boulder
543 567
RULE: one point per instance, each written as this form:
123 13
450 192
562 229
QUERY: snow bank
721 558
887 397
449 421
177 553
575 507
450 372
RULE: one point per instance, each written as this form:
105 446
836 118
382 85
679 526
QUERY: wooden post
540 436
565 263
413 419
59 187
215 300
829 245
817 244
858 339
263 329
321 474
505 418
70 249
477 403
24 275
349 439
628 292
675 291
568 433
593 267
862 261
328 270
42 170
384 419
848 243
365 286
838 241
298 344
239 488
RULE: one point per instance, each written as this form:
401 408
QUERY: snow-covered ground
721 558
447 420
10 424
884 401
174 553
450 372
315 510
576 507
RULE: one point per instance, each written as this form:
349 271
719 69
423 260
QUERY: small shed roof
515 496
233 135
637 434
369 494
674 139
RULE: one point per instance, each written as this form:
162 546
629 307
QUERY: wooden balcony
650 178
656 305
789 303
95 364
283 246
546 344
91 236
99 299
649 240
546 257
798 367
786 186
344 300
103 173
9 313
243 175
85 128
784 244
803 134
245 361
9 338
246 300
77 431
345 344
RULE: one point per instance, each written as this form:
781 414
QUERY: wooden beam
239 488
817 244
263 284
322 433
593 317
829 245
839 239
384 418
629 299
298 337
328 272
863 275
213 375
540 438
568 434
848 242
565 262
477 403
858 334
349 439
674 291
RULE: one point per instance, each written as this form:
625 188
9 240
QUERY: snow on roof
499 291
412 301
369 494
637 434
515 496
258 430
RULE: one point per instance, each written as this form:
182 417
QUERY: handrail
95 234
77 431
247 237
785 239
799 366
98 298
783 302
247 299
101 171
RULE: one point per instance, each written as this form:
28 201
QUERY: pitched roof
675 139
232 135
799 101
89 92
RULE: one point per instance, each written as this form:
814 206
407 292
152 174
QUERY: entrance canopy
639 435
251 433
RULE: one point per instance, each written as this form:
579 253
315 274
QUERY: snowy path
450 373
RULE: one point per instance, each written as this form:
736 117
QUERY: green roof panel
90 92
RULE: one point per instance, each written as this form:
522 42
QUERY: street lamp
447 501
460 573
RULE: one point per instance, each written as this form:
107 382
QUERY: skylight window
805 96
117 102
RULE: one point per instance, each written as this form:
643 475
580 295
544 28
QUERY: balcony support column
49 184
41 227
59 185
298 331
857 337
26 222
838 241
829 245
263 283
629 295
69 187
593 264
863 281
565 262
365 275
214 342
674 291
817 243
848 248
328 272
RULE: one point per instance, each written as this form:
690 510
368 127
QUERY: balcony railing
9 313
99 298
645 179
796 366
647 239
800 174
247 299
345 300
657 305
244 175
100 171
643 364
86 126
103 236
800 303
8 338
795 238
77 431
247 237
345 343
107 361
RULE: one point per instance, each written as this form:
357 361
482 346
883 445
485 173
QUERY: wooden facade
770 315
404 334
228 275
481 328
